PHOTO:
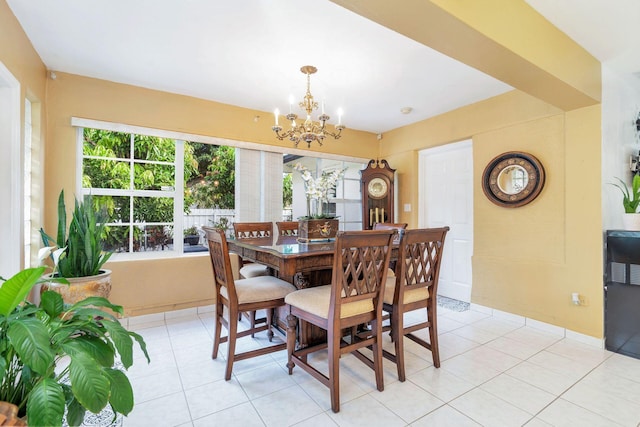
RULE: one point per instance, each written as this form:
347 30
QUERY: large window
158 191
133 178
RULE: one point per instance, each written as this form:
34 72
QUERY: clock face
377 188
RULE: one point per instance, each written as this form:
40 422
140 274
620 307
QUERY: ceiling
249 53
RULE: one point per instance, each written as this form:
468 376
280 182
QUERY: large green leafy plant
630 198
83 242
55 356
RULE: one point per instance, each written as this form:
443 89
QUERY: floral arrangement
318 188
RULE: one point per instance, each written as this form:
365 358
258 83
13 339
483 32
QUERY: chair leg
231 344
269 320
217 330
433 337
397 330
292 321
333 340
253 321
377 354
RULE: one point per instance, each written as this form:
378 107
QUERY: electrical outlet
578 299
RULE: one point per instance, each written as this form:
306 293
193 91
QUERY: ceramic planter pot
631 221
80 288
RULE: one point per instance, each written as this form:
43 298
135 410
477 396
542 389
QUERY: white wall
620 106
11 225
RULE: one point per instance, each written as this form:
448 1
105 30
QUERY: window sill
140 256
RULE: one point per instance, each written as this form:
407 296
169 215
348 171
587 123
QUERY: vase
80 288
317 230
631 221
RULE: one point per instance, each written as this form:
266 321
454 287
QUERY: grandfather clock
376 183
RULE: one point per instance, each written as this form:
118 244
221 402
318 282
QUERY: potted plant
57 358
317 225
630 203
223 224
83 256
191 236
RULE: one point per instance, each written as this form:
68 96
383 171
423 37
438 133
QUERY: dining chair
400 226
287 232
253 232
414 287
360 264
236 296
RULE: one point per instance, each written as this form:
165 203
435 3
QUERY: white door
446 198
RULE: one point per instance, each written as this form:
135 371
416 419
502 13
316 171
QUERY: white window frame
175 193
80 122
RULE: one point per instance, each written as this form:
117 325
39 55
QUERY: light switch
407 207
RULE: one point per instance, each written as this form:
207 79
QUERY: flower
318 188
48 251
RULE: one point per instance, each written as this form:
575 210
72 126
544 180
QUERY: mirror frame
535 172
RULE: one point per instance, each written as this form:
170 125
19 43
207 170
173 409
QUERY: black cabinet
622 292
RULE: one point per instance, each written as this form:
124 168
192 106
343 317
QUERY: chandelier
309 130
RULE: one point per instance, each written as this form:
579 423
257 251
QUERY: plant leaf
52 303
88 383
62 220
142 344
98 302
75 412
100 351
121 391
14 290
122 340
30 337
45 406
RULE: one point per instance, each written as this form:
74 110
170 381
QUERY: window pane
154 148
117 238
152 238
117 207
150 176
153 209
106 143
105 174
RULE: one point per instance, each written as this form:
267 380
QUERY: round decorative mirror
513 179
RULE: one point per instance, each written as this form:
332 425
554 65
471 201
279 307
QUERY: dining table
301 264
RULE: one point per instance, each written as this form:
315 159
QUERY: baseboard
542 326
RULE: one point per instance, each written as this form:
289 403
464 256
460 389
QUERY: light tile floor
493 373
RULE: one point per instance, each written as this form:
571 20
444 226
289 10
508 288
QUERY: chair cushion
261 288
253 270
316 301
409 296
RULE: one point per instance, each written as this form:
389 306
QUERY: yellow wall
527 261
18 55
160 284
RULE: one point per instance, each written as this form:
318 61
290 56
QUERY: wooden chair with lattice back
401 227
287 232
360 265
415 287
260 233
236 296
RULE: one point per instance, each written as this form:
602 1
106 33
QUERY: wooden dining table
301 264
